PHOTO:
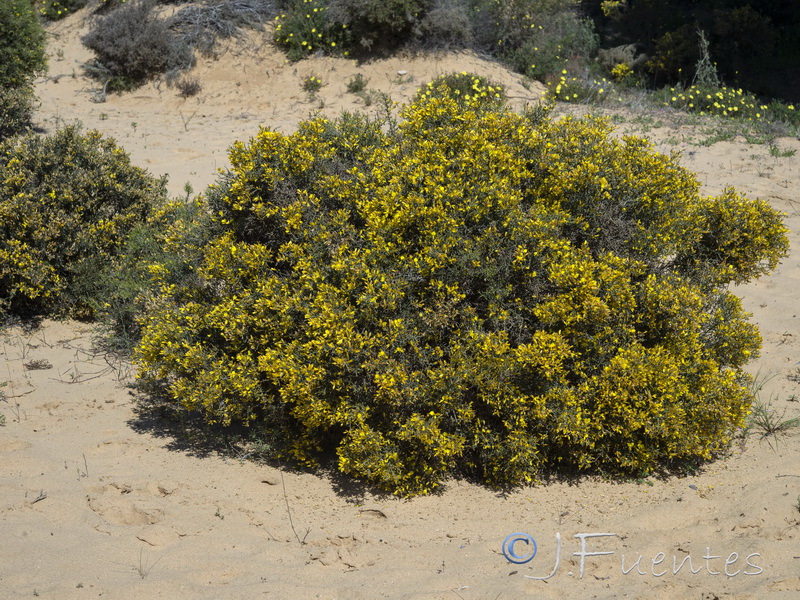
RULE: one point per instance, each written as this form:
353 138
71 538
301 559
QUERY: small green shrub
188 87
466 292
22 44
357 84
132 45
67 203
16 109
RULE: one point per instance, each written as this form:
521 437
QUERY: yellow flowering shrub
467 291
67 203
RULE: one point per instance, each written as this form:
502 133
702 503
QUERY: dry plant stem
144 569
85 472
42 495
289 512
15 407
186 120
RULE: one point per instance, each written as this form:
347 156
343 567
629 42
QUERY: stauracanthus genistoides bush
467 292
68 202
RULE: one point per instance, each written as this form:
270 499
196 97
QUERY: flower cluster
622 72
466 89
466 291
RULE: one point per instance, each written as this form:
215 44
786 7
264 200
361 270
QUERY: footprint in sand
122 504
13 445
344 550
790 584
121 511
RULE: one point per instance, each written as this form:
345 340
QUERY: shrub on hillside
67 203
468 291
22 44
132 45
535 37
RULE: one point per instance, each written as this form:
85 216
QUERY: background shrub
133 45
468 291
22 44
379 25
754 45
446 24
54 10
535 37
67 204
306 27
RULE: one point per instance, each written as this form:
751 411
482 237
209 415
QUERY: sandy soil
98 499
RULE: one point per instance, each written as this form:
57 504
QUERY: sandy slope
98 500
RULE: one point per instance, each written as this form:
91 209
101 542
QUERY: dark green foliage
16 109
379 25
22 44
169 238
